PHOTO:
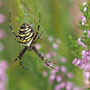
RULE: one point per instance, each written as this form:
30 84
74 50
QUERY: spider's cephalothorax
26 34
27 38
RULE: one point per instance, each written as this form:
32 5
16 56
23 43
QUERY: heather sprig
82 44
85 19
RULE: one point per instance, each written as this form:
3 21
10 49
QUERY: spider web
45 37
27 18
32 18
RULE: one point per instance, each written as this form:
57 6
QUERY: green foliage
75 47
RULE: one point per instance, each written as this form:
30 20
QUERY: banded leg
20 58
10 25
38 26
38 37
43 58
21 54
20 63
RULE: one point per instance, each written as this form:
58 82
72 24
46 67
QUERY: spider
27 38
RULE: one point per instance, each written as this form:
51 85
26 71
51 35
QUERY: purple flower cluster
84 62
59 77
81 43
3 76
83 18
2 18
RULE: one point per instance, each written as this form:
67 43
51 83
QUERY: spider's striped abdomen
26 35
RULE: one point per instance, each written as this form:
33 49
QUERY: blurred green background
59 18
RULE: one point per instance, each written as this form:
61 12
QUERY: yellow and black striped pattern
26 34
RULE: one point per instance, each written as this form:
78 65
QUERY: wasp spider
27 38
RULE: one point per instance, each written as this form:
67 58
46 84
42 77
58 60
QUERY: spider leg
38 26
38 37
20 58
20 63
43 58
10 25
20 55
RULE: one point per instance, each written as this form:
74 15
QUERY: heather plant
82 45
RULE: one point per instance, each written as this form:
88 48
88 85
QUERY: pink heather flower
85 9
78 62
45 73
57 87
57 68
87 67
70 75
84 31
1 47
84 3
69 86
82 66
87 79
53 54
63 59
58 78
48 55
3 64
52 78
3 77
2 86
55 46
74 61
88 33
50 38
83 18
81 43
62 85
2 18
37 46
86 55
53 71
83 52
1 72
2 34
86 74
63 69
